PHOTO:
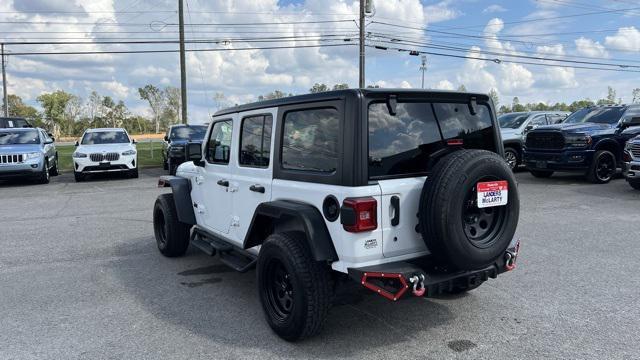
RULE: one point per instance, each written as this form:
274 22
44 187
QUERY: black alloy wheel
605 167
279 290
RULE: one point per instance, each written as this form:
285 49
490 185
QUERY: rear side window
255 141
456 121
401 144
310 140
219 144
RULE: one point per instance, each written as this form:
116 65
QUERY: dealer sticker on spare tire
492 193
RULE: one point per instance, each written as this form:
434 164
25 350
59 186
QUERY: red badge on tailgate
493 193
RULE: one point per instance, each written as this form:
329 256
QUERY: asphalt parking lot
80 278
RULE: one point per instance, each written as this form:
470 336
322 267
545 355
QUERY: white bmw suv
105 150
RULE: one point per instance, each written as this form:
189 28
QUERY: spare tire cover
459 233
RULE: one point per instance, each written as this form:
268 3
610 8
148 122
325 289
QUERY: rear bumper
394 280
576 160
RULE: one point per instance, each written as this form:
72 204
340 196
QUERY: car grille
635 150
98 157
11 159
545 140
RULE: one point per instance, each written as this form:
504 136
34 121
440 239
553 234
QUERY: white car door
252 177
216 187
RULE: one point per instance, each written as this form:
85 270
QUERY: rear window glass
193 132
310 140
402 144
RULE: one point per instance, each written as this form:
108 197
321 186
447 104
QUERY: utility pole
4 83
423 68
362 6
183 70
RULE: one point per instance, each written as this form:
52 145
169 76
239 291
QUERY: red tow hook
403 286
511 256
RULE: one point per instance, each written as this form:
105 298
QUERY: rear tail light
359 214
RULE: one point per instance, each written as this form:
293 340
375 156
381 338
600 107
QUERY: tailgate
399 210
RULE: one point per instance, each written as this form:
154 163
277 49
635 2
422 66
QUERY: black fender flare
181 189
286 215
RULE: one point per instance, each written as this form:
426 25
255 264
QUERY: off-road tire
45 175
593 174
508 152
458 233
543 174
172 236
78 176
309 283
635 184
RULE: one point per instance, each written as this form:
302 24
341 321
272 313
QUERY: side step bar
232 256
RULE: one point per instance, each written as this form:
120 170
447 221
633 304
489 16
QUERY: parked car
105 150
515 126
175 142
27 153
403 191
589 141
14 122
632 162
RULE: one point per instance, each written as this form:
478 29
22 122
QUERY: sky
483 41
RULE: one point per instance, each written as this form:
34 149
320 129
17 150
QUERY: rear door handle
257 188
224 183
395 204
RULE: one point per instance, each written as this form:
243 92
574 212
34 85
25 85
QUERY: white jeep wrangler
403 191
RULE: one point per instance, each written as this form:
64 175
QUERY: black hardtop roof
185 125
337 94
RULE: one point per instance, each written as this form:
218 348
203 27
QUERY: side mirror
49 141
52 138
528 128
634 121
194 153
133 141
76 143
166 138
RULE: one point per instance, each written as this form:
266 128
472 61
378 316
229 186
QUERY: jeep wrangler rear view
405 192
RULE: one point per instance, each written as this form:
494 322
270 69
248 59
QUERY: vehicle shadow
205 297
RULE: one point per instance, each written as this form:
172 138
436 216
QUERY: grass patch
149 155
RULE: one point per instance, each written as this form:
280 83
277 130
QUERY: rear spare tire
458 233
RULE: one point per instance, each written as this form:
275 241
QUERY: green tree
493 94
155 98
341 86
318 88
516 106
18 108
54 105
277 94
635 94
610 99
462 88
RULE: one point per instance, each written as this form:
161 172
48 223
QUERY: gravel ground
81 278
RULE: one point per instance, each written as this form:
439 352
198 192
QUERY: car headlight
578 141
129 152
78 155
33 155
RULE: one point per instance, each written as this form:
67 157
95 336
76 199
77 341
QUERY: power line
170 50
495 60
254 24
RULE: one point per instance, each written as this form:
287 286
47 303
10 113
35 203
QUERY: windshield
195 132
599 115
512 121
19 137
105 137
